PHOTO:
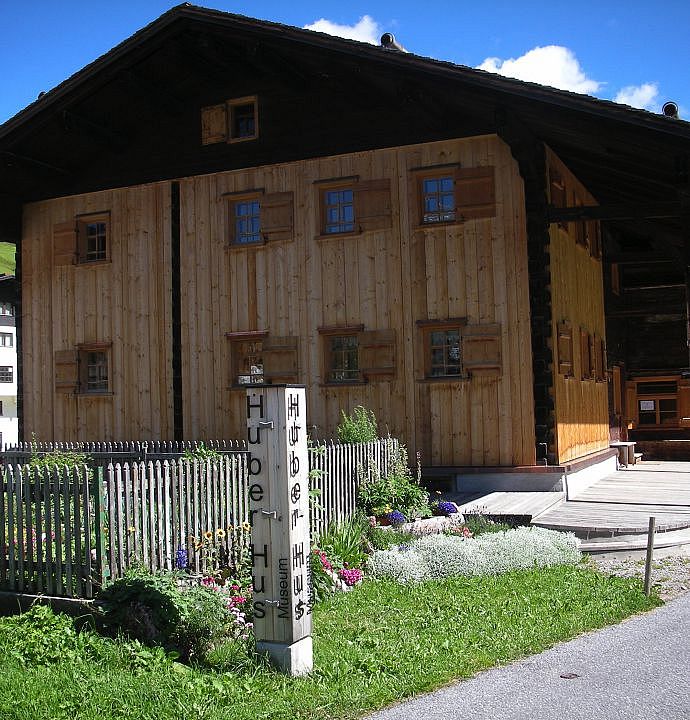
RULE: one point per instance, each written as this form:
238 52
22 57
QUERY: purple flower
181 559
447 508
396 517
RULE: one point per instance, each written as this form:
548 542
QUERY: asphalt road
638 669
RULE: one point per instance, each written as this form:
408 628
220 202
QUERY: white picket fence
67 532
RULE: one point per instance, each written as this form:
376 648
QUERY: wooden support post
279 516
650 553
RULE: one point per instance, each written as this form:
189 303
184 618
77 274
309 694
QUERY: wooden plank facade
388 283
580 388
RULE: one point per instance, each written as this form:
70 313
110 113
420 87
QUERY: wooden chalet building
221 200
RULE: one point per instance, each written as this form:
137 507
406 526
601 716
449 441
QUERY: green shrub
359 427
201 453
378 538
60 459
41 637
155 610
344 543
399 490
479 524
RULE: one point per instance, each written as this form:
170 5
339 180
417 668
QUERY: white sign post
279 512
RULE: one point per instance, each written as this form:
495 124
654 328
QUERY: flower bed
437 556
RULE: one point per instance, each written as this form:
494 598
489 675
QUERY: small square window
92 238
6 340
245 222
248 362
342 358
338 211
444 352
6 374
93 370
242 119
6 309
438 199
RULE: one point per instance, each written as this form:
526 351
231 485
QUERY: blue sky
635 52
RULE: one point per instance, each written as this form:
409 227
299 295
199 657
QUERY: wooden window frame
564 349
232 202
601 371
84 255
236 340
371 204
558 193
376 354
232 106
276 217
279 358
83 351
323 207
218 122
656 397
587 362
438 177
426 328
328 334
474 192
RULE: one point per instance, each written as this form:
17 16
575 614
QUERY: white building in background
9 428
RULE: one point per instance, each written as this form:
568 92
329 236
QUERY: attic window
242 116
234 120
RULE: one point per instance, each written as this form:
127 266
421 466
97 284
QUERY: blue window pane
446 184
348 213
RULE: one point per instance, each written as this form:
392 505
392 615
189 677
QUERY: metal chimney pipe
670 109
389 42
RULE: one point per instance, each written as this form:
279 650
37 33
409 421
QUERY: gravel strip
670 573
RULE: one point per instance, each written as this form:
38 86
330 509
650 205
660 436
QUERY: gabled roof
132 115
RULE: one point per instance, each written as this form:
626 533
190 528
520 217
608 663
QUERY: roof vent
389 42
670 109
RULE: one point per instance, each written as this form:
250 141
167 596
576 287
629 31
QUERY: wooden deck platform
617 507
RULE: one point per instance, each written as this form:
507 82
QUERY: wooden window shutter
481 349
585 355
64 243
600 350
372 201
277 216
557 193
580 225
475 193
377 352
592 356
66 371
594 236
565 349
280 358
214 124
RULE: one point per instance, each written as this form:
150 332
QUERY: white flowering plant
439 556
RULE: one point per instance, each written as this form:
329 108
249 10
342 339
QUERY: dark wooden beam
644 211
72 122
12 157
157 97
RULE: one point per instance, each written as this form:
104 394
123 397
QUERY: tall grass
373 646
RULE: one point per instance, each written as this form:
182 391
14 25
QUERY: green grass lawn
378 644
7 263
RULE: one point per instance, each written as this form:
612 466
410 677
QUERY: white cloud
552 65
643 96
366 30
